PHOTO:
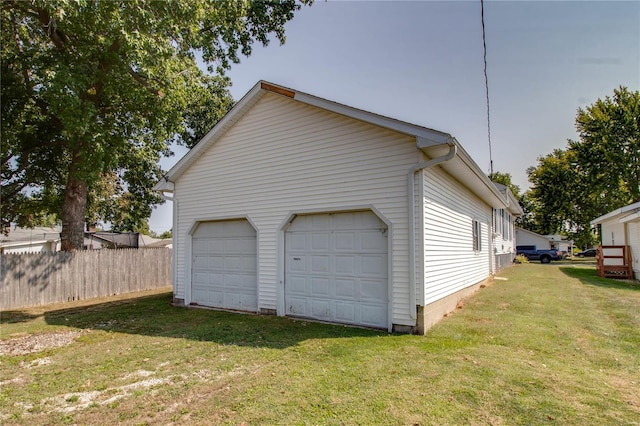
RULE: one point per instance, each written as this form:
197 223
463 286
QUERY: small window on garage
477 235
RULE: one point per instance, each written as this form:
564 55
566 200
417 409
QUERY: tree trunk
73 213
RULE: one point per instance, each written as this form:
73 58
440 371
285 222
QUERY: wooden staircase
614 262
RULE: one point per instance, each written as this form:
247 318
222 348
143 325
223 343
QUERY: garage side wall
450 262
613 233
633 240
285 157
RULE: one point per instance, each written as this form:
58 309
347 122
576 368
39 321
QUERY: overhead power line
486 84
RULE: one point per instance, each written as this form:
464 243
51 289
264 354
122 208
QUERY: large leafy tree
593 175
608 151
94 92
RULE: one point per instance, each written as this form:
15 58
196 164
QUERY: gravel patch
37 343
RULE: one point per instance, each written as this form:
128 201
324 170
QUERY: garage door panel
319 264
345 220
320 286
320 241
333 264
345 241
346 264
373 290
297 241
297 285
346 312
373 265
200 246
373 241
200 262
346 288
370 314
224 265
296 263
297 306
319 222
321 309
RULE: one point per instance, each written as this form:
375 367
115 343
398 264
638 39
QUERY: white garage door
336 268
224 265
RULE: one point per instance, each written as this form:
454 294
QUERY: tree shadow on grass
589 276
155 316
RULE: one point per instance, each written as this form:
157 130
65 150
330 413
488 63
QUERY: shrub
521 258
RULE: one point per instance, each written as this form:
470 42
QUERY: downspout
412 217
174 258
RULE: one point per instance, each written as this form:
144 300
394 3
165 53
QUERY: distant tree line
592 176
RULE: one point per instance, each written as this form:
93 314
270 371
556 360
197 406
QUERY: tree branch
57 36
145 83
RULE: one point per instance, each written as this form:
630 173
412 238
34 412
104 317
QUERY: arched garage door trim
386 230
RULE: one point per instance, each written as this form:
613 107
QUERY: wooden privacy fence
32 279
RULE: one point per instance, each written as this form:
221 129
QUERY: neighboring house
160 243
115 240
560 243
504 228
96 240
295 205
30 240
621 227
530 238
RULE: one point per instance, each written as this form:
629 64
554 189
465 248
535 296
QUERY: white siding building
525 237
621 227
504 228
30 240
298 206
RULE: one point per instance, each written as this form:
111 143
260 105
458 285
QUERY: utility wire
486 84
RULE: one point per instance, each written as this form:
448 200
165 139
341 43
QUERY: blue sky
421 62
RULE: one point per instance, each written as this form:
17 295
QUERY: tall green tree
593 175
608 151
95 90
553 181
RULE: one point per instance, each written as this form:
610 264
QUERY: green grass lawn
552 344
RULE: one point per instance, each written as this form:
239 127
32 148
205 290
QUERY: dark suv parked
587 253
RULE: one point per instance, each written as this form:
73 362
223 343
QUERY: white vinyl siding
284 157
450 262
613 233
504 232
528 238
633 240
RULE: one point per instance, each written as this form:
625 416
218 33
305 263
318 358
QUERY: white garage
360 219
336 268
224 265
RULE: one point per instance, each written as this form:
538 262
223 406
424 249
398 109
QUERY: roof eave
618 212
430 141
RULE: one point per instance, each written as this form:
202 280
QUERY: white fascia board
635 217
164 185
23 243
475 179
424 136
514 205
617 212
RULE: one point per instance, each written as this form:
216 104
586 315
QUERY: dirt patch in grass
38 342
